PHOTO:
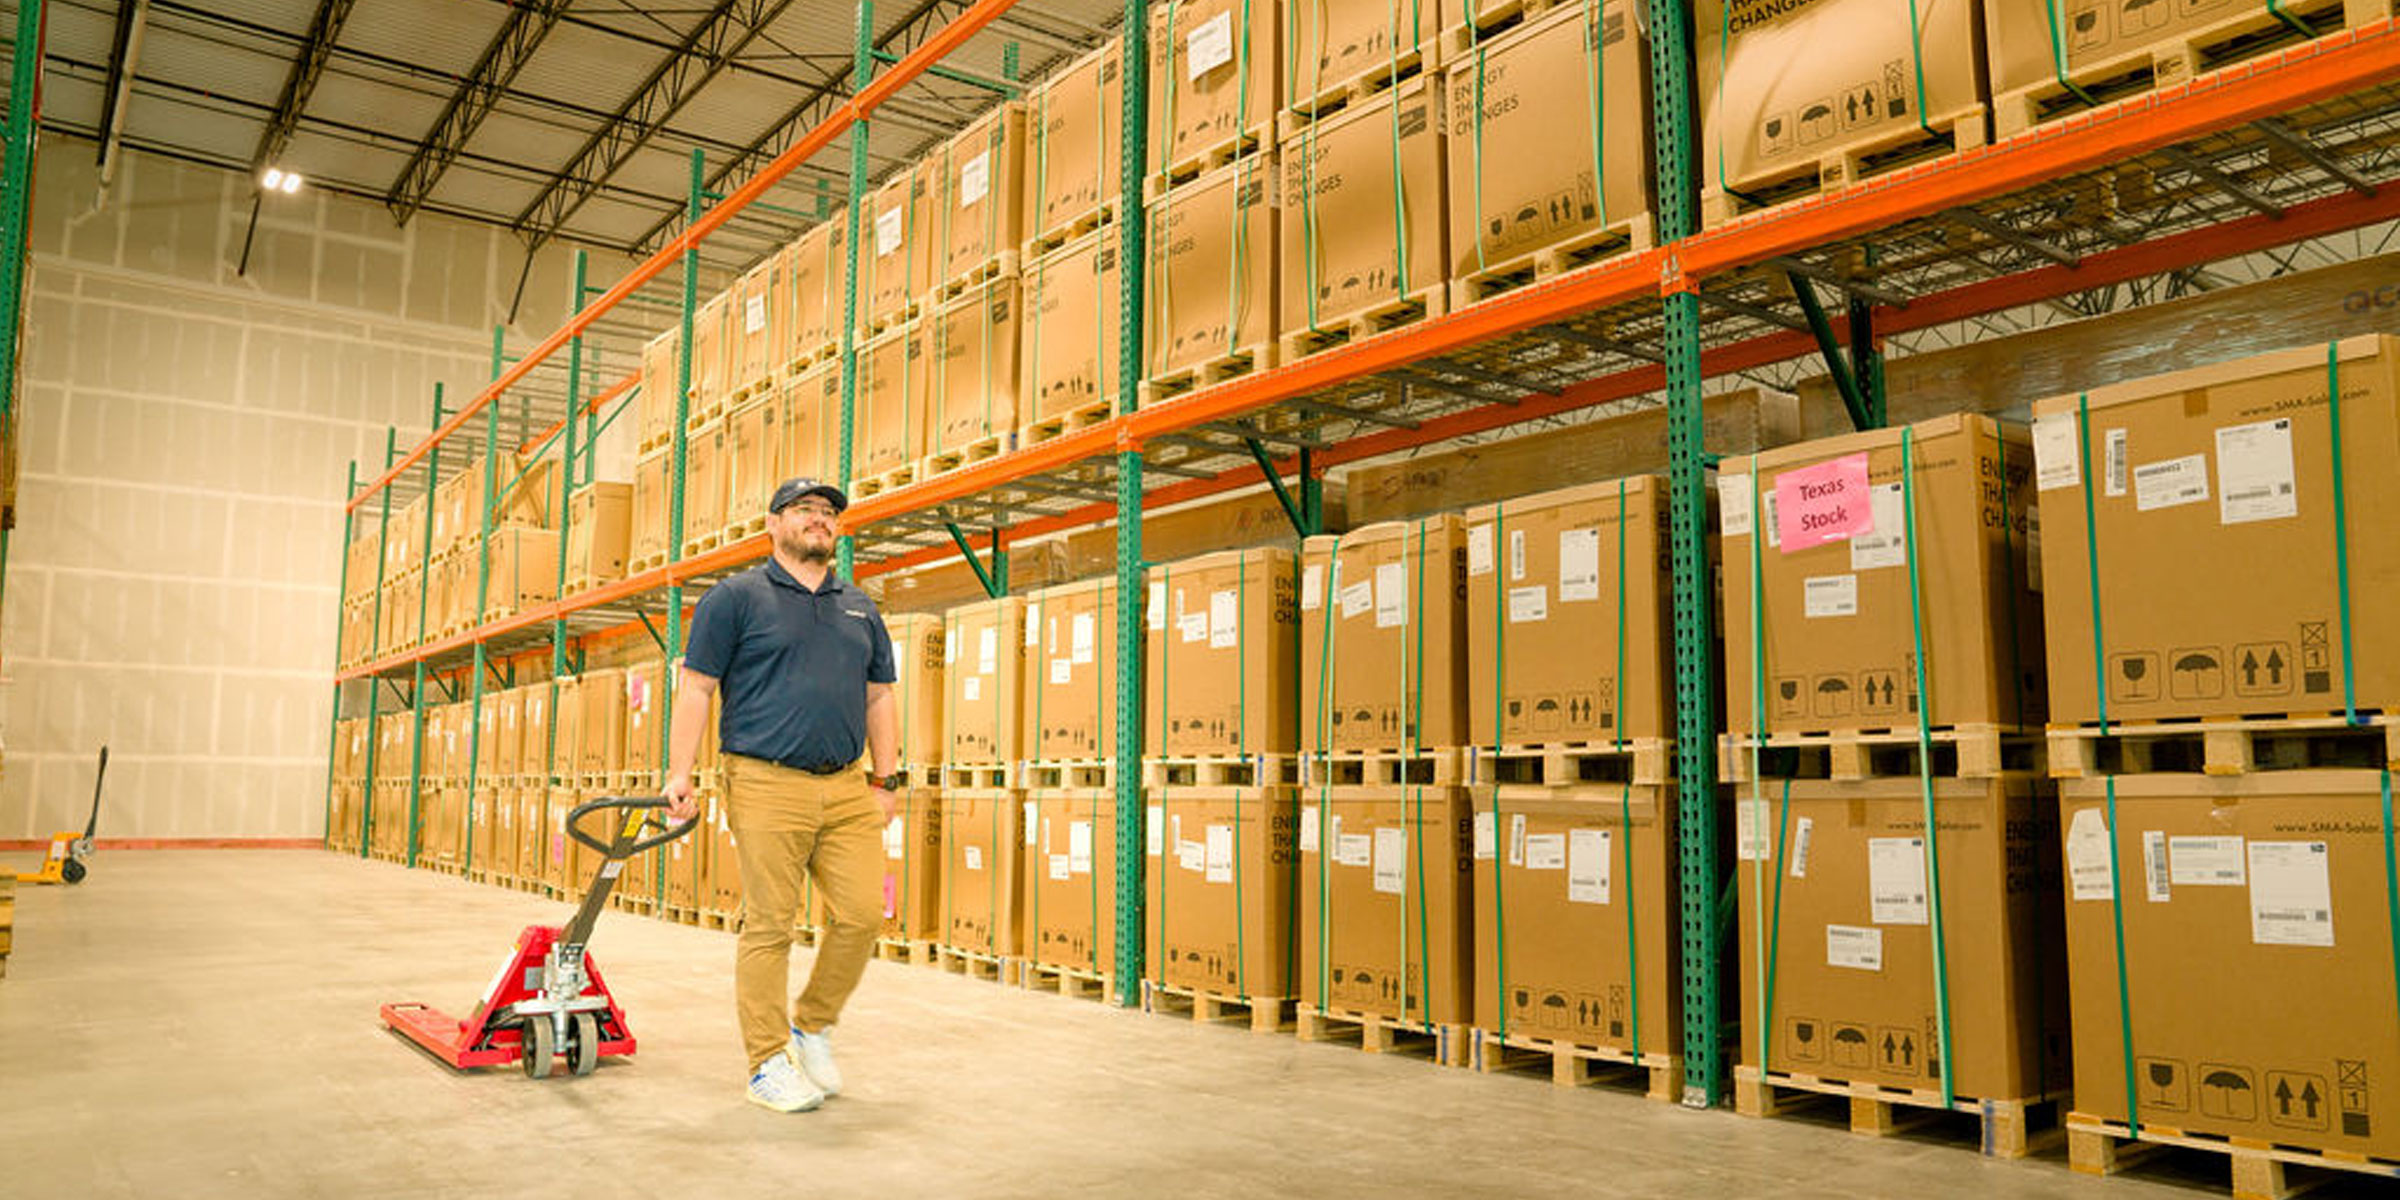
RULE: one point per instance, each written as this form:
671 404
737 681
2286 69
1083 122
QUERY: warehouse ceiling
557 119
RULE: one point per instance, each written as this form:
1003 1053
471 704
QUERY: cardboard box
660 362
895 257
682 865
358 633
971 386
810 424
527 857
601 750
713 352
1071 169
1554 164
509 758
1744 421
1394 608
1787 89
567 713
755 357
752 468
1070 359
1333 44
1214 70
647 539
358 565
1556 955
1833 891
1570 629
983 665
403 536
645 710
979 194
1219 917
917 658
1071 878
912 868
1071 687
983 894
1356 185
2265 895
599 532
523 571
527 494
535 755
485 744
1840 637
2198 472
704 479
813 295
1387 917
1219 644
888 421
483 828
1209 282
724 853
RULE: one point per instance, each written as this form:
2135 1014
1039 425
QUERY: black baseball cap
790 491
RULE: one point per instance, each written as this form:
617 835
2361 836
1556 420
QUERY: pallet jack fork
69 849
548 999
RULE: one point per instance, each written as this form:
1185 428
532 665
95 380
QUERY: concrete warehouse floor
203 1023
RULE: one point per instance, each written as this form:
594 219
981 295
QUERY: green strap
2295 24
2341 527
1758 741
1416 803
2091 554
1916 46
1933 857
1041 154
1633 949
2116 908
1416 38
1475 38
1499 737
1616 716
1770 956
2391 882
1235 293
1724 41
1241 749
2058 56
1595 22
1325 844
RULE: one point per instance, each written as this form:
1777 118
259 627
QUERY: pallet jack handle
614 852
92 826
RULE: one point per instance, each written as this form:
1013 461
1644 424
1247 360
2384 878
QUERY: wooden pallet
2245 32
724 919
999 265
987 446
695 546
1264 1014
1062 232
760 386
1440 767
1067 773
1959 751
1573 764
2007 1126
871 324
1880 153
637 565
702 411
902 950
653 442
999 968
823 352
2237 746
978 776
1491 20
1224 151
735 531
1398 312
679 914
1081 983
1249 770
898 477
1571 1065
1098 412
2260 1170
1330 99
1233 364
1625 236
1449 1045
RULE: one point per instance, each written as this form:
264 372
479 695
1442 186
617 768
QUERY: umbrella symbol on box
2227 1092
2197 674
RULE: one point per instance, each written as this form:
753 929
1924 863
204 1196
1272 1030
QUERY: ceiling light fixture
279 180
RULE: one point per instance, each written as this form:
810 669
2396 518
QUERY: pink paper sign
1828 502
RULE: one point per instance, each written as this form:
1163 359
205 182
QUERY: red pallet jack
68 850
548 998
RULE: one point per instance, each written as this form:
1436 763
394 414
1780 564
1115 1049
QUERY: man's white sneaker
778 1084
814 1053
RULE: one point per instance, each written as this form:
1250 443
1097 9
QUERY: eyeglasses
824 511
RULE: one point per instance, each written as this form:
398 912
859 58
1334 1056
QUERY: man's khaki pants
789 824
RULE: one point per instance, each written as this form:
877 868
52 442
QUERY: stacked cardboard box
753 464
1546 175
971 397
661 361
983 654
1069 370
713 358
978 201
813 293
811 424
1215 71
1071 174
1383 645
1218 670
982 885
755 356
895 259
1219 920
1339 49
599 534
888 421
646 541
1362 219
1070 695
1070 873
704 477
2223 748
1802 98
1209 291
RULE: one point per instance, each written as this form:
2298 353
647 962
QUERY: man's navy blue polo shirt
793 665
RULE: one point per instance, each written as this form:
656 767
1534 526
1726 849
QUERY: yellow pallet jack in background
69 849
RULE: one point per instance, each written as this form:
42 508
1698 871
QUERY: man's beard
799 547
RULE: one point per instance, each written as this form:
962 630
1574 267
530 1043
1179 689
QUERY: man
806 669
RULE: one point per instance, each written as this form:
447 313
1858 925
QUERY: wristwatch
890 783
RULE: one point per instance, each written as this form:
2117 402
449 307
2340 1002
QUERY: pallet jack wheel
541 1047
71 870
583 1053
